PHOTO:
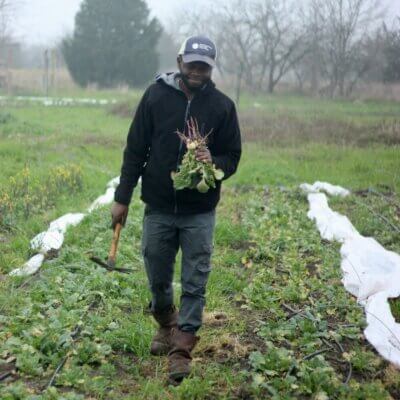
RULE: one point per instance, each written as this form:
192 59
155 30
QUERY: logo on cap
202 46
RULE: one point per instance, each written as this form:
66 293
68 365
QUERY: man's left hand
204 155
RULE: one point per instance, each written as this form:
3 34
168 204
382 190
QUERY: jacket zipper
180 148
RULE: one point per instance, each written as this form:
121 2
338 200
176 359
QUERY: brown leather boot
179 357
161 343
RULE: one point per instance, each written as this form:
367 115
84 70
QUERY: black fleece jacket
153 148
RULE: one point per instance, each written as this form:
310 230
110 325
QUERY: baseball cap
198 48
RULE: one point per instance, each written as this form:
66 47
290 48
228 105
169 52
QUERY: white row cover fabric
53 238
325 187
30 267
56 101
106 198
331 225
370 272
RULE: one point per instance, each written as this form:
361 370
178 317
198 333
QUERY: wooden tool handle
114 243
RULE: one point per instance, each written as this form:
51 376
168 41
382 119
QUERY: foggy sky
47 21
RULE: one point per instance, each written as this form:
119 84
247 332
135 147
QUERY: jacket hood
170 79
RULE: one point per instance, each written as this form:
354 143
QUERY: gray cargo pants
162 236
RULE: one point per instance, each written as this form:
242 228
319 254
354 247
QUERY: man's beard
189 86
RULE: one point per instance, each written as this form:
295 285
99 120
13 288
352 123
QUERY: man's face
195 74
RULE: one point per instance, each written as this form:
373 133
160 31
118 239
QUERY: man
184 218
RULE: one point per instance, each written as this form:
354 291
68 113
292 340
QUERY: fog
47 21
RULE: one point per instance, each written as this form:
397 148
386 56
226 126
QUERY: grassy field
274 298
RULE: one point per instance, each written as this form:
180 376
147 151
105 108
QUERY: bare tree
259 40
391 52
5 8
310 67
4 20
282 39
237 41
347 24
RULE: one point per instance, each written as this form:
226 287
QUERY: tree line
323 46
327 45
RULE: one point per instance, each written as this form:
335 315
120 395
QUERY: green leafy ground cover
278 321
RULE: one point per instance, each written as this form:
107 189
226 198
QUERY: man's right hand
119 213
